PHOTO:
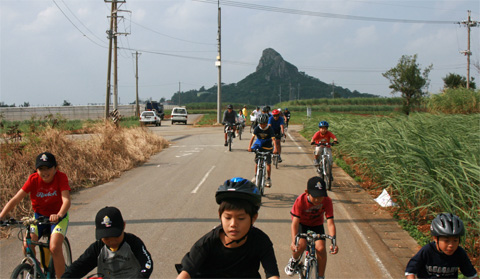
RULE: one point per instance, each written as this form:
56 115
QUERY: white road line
357 229
203 180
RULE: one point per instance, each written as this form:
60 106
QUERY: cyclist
116 253
266 110
323 136
50 195
278 125
307 215
244 110
442 257
265 137
255 115
241 119
229 118
286 114
236 248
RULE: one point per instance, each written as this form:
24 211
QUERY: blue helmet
323 124
239 188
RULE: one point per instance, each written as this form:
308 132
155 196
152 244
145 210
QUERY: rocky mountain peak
272 66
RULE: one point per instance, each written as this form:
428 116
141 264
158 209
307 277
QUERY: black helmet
265 109
447 224
239 188
262 118
229 107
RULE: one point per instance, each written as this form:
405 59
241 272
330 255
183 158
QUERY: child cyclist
116 253
443 257
236 248
265 142
307 215
323 136
50 195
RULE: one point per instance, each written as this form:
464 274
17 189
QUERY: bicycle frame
304 269
324 167
261 174
229 131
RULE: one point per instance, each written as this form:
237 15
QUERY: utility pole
113 33
469 23
179 94
137 108
280 93
218 63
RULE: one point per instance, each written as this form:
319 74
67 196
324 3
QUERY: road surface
169 202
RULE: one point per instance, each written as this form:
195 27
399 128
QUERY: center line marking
203 180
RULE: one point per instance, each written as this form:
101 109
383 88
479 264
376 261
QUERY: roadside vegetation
91 160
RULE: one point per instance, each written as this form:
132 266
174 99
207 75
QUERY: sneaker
315 162
233 135
291 266
254 180
280 159
226 144
268 183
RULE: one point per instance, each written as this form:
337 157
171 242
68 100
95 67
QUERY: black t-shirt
230 117
430 263
209 258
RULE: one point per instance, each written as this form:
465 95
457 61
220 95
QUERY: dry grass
87 162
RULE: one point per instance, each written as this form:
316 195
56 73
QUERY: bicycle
229 131
308 269
253 120
275 160
30 267
261 175
240 130
324 169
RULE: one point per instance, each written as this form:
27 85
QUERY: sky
57 50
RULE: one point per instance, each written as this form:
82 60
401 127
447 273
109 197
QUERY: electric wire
320 14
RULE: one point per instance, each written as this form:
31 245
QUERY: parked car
179 114
150 117
155 106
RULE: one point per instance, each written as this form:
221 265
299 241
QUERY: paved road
169 202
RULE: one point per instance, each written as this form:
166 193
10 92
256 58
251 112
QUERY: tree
407 79
25 104
66 103
456 81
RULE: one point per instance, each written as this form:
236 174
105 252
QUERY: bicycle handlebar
26 221
310 235
324 143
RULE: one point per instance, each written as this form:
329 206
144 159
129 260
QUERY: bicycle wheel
67 252
327 178
240 130
230 142
23 271
260 182
312 269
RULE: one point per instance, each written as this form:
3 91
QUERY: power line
319 14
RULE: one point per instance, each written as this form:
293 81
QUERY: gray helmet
262 118
447 224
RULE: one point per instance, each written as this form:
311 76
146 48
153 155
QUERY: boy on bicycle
276 121
50 195
236 248
116 253
323 136
265 137
442 257
307 215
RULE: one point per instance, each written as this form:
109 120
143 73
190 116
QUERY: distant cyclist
264 142
278 125
286 114
323 136
229 118
255 115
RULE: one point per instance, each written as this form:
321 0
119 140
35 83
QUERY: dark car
157 107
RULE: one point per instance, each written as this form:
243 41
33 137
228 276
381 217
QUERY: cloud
43 21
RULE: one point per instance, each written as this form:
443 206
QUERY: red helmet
275 112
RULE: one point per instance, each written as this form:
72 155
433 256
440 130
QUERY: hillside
273 81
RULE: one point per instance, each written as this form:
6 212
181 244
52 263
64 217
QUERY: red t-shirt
46 198
310 214
318 137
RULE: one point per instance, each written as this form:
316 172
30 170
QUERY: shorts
269 158
278 136
318 229
60 227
